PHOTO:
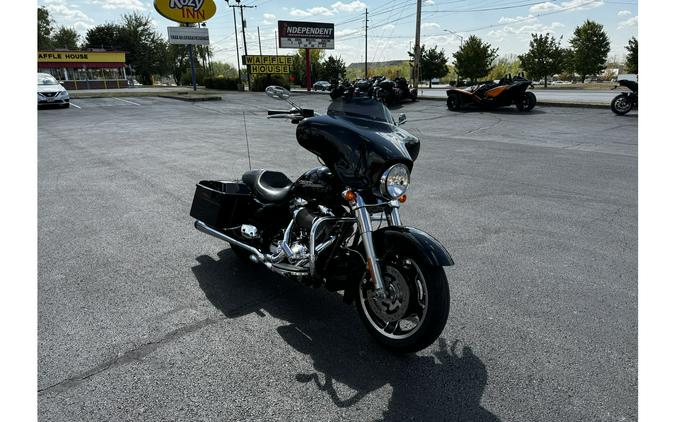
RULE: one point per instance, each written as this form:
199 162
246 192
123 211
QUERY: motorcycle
323 230
491 95
624 102
391 92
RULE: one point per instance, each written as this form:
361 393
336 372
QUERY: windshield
46 80
361 108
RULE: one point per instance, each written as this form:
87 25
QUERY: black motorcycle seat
269 186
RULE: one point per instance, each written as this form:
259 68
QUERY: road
141 317
581 96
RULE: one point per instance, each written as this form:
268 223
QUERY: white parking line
126 101
75 105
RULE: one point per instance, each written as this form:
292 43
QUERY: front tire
453 102
415 314
526 102
621 104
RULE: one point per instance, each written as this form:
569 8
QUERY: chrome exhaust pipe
204 228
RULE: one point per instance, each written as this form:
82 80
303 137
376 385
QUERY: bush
219 82
186 78
261 82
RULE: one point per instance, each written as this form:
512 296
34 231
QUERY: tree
504 66
66 38
44 28
333 68
223 69
433 63
632 57
474 58
544 58
590 46
106 36
298 66
146 50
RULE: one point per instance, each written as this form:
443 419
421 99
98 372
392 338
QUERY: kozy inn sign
186 11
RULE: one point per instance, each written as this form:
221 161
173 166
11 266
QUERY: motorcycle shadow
348 364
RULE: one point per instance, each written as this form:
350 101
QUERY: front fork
363 220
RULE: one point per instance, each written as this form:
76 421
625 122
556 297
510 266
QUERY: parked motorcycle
324 228
391 92
509 90
624 102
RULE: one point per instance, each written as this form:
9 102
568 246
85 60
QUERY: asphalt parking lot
141 317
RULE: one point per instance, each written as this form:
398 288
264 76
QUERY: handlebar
294 114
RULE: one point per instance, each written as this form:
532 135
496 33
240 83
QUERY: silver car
51 92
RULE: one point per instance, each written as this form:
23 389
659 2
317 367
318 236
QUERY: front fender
426 246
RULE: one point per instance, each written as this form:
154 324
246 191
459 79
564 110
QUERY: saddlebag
222 204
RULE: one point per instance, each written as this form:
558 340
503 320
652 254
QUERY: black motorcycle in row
324 228
624 102
391 92
490 95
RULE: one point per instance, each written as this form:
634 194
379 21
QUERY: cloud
526 30
389 26
624 13
314 11
268 18
429 2
325 11
346 32
119 4
64 13
565 5
506 19
348 7
628 23
430 25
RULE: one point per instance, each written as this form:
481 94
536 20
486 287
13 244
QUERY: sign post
187 13
307 35
308 70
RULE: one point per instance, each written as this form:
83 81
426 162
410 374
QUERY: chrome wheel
403 309
621 104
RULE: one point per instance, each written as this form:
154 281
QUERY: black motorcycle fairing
426 246
358 141
632 85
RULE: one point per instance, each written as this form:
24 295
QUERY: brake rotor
397 298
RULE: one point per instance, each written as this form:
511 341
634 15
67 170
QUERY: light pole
461 44
461 38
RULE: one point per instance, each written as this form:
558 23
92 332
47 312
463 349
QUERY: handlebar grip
273 112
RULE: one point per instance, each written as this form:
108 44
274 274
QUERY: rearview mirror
402 118
277 92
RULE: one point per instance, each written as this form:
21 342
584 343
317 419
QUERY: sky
506 24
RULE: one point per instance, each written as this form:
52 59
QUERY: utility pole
416 67
276 43
366 62
243 32
236 41
259 45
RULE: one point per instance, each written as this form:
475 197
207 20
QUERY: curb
192 99
80 95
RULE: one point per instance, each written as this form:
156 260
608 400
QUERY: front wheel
621 104
526 102
453 102
415 309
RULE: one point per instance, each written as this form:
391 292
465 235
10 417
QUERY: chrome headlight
62 94
394 181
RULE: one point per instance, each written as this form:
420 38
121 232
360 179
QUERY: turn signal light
402 198
349 195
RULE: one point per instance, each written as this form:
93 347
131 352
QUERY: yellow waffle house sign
186 11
